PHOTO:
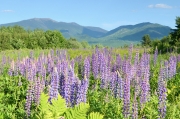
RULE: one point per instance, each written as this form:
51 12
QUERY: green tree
146 41
175 35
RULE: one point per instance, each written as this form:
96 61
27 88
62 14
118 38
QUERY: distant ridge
96 34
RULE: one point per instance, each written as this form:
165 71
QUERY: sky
107 14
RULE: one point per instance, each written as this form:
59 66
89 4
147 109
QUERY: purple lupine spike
54 84
116 88
126 97
136 60
135 101
145 75
39 66
135 107
162 93
120 84
16 70
49 65
33 71
103 73
84 86
62 85
113 68
118 62
144 92
37 90
72 81
43 73
79 93
87 68
22 69
130 52
108 63
11 69
63 78
112 84
126 88
67 90
95 65
29 99
42 82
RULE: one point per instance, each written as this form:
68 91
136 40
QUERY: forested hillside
16 37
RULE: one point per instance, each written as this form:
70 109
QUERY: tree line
16 37
167 43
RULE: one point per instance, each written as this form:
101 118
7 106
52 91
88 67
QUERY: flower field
89 84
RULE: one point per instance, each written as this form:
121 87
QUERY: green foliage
12 96
78 112
170 42
95 115
176 33
146 41
57 109
150 109
173 109
106 104
51 111
17 38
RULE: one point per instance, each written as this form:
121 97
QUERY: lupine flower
130 52
95 65
54 84
37 90
126 94
118 62
29 99
126 97
11 69
120 84
162 93
87 68
144 83
84 86
79 96
72 81
103 73
112 84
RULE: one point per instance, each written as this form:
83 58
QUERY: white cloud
7 11
160 6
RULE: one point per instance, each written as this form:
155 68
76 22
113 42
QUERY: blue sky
107 14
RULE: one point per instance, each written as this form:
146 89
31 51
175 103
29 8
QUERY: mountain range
96 35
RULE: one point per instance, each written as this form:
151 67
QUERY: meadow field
100 83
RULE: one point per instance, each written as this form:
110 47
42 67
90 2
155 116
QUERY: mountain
115 37
135 32
67 29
